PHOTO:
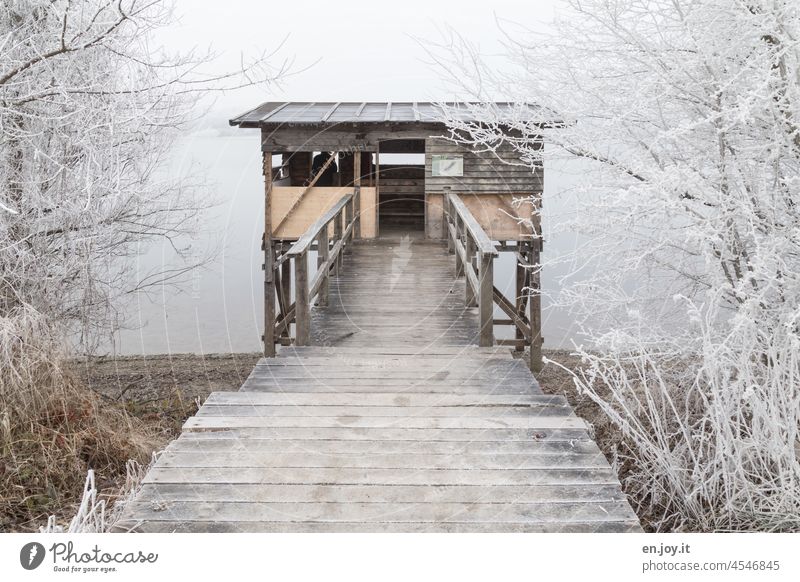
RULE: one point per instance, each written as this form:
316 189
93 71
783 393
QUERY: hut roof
331 113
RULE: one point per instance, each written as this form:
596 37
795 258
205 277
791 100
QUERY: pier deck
394 420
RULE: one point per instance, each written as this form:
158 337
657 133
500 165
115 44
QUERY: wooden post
377 174
446 216
458 228
521 300
535 306
323 250
286 289
470 299
338 229
269 262
357 193
302 309
348 218
486 299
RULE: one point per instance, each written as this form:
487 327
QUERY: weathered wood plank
399 399
212 526
418 461
389 513
302 475
535 422
382 493
355 447
384 411
393 434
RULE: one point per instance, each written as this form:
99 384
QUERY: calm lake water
219 308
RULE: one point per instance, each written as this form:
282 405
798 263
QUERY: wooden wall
314 204
488 186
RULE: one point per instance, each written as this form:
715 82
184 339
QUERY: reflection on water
220 308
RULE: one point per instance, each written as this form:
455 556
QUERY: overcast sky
356 51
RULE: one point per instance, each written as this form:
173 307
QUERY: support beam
302 308
357 193
269 262
470 299
535 307
323 249
486 299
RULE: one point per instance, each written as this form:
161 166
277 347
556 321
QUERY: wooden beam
269 266
486 301
301 301
509 309
470 298
535 311
323 263
357 192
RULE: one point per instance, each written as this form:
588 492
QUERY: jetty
385 402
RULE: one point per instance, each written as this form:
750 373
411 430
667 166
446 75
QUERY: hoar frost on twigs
687 115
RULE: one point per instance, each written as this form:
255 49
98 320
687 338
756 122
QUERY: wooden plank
529 494
345 476
379 512
347 433
355 421
397 399
355 447
212 526
383 411
311 459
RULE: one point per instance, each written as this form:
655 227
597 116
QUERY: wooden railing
475 254
330 249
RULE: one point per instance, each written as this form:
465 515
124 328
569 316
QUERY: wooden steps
404 425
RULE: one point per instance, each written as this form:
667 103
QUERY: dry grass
54 430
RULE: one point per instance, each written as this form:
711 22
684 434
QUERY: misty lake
219 308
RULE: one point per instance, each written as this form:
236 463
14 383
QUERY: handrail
482 241
329 258
467 239
305 241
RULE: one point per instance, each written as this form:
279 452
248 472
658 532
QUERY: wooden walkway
394 421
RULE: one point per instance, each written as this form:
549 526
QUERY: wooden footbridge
388 405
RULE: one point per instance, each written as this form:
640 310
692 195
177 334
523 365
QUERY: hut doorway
401 187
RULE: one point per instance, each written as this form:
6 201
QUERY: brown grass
53 431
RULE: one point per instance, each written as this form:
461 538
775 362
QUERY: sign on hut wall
447 166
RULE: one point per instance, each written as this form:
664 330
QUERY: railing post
348 213
301 307
458 224
469 247
535 317
486 299
323 250
446 217
356 232
337 236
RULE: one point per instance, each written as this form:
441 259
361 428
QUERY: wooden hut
388 169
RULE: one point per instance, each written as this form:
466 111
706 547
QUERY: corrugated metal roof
295 112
